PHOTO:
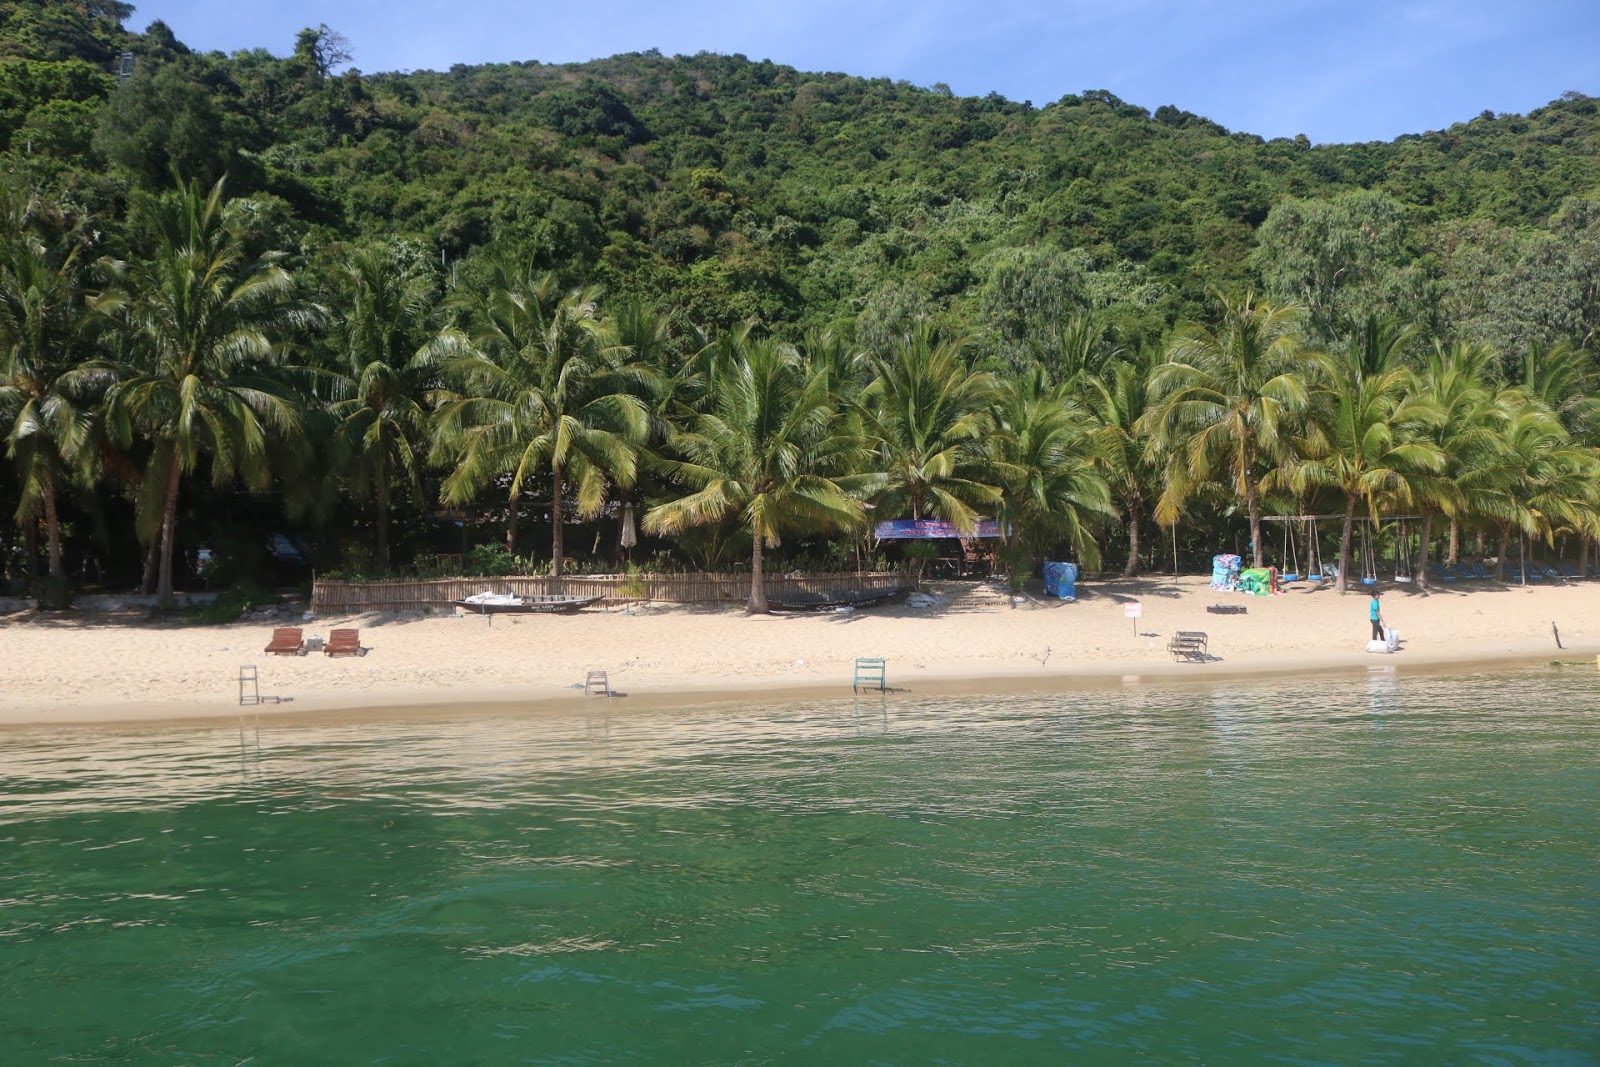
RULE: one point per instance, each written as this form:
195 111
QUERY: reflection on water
1379 869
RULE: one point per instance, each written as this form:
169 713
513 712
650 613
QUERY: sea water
1314 871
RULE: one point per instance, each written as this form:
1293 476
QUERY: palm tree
926 416
535 391
1051 467
767 452
378 402
1367 439
1223 400
47 424
1119 400
202 320
1466 433
1539 481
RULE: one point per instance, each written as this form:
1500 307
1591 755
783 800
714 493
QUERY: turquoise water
1321 871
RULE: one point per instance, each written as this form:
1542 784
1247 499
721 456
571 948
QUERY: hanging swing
1369 557
1313 551
1402 553
1291 554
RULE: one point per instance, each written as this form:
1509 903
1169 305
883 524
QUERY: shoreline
110 670
426 705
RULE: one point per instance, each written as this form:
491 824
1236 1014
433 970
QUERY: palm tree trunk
169 520
1343 581
1132 566
557 542
147 578
1500 560
30 550
1422 553
1252 498
1455 543
513 513
757 604
52 527
383 523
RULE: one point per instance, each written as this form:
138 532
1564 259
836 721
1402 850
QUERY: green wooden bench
871 674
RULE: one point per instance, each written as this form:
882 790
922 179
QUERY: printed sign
1134 610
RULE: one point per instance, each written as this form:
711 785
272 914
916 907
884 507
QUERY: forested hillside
695 196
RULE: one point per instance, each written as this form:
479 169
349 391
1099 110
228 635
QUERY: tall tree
1367 439
768 453
926 417
1049 465
378 396
535 392
203 321
1119 400
43 410
1465 431
1223 398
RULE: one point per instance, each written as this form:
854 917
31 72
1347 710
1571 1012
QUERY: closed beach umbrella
630 536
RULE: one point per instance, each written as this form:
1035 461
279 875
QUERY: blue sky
1335 71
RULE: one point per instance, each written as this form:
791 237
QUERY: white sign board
1134 610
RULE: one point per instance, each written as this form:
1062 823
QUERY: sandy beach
73 668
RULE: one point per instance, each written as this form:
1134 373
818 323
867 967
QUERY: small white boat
506 603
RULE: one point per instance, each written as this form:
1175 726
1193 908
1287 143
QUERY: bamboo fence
331 597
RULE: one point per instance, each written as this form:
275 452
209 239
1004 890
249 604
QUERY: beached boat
506 604
848 598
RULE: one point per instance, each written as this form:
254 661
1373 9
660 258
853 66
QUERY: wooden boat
545 603
849 598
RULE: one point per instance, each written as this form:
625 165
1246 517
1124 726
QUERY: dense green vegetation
377 319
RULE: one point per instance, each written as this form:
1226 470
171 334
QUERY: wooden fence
329 597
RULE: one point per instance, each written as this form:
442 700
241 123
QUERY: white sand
70 668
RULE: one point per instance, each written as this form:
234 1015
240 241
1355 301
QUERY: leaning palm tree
1223 399
378 396
1051 468
44 414
533 391
202 320
768 453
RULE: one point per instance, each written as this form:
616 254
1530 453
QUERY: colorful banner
930 529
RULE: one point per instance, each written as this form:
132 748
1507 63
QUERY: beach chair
1548 571
1567 570
1477 570
1437 572
344 643
286 641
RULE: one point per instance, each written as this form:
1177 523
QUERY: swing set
1365 550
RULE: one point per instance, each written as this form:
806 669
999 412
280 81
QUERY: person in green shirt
1377 617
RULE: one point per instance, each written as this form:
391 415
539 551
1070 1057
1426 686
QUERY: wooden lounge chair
1189 645
286 641
343 643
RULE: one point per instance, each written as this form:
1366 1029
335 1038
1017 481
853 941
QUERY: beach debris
922 600
799 663
1557 632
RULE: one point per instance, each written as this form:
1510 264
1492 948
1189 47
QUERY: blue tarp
1061 580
